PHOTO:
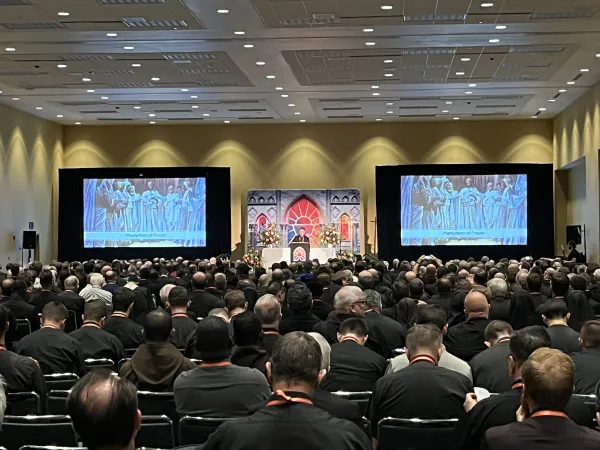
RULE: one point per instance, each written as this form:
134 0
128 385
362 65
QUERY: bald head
105 269
463 274
6 285
430 271
198 280
110 276
366 275
476 304
500 275
410 276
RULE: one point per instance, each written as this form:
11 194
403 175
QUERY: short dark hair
158 326
145 273
423 336
46 279
178 297
415 287
4 317
234 299
534 282
299 297
560 284
578 283
103 416
122 299
213 340
443 286
354 326
6 286
55 312
296 358
590 334
274 288
497 328
432 315
94 310
480 277
555 309
247 329
525 341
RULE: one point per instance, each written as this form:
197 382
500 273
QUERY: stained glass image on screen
144 212
463 210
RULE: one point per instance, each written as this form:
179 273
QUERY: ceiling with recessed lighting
249 61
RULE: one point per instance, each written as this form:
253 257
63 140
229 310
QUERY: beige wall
577 135
30 154
308 156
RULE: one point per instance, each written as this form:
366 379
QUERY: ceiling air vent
130 2
33 26
140 22
14 2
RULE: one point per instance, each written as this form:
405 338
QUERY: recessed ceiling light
388 61
284 96
472 85
494 41
487 5
15 98
104 98
271 77
542 109
534 117
77 123
297 113
152 123
389 112
570 82
388 74
302 121
86 79
193 96
260 63
378 120
61 66
136 65
279 88
552 100
456 118
10 49
387 7
111 34
468 92
90 91
445 111
584 70
195 106
206 114
368 30
63 13
39 108
460 73
291 105
500 27
448 103
223 11
129 47
239 33
374 87
370 43
248 45
597 55
184 89
137 107
465 59
151 115
59 116
562 90
389 104
154 79
226 121
375 94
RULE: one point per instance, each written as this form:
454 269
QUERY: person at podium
300 238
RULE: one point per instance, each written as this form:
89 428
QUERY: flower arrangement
330 235
346 255
269 236
253 258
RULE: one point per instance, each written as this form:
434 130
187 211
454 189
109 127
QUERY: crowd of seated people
277 345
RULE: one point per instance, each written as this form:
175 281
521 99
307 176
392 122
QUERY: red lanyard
350 338
423 358
548 413
219 364
2 348
270 332
51 326
119 314
517 385
90 323
179 315
288 399
504 339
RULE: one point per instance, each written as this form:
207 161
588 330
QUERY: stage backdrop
291 210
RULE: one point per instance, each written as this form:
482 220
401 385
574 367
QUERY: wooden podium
299 252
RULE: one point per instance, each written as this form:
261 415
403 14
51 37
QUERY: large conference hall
324 224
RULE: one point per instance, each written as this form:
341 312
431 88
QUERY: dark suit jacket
466 339
300 239
22 310
490 368
385 334
75 303
39 299
499 309
202 302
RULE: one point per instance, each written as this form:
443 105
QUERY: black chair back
48 447
23 403
360 398
56 402
414 434
130 351
22 329
196 430
157 403
121 362
589 400
60 381
366 427
100 363
156 431
18 431
71 324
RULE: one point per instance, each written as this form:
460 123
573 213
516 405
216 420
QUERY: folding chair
56 402
71 324
361 398
130 351
196 430
60 381
23 403
414 434
121 362
157 403
100 363
18 431
48 447
156 431
589 400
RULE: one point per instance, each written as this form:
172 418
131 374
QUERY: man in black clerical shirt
21 373
542 424
489 366
111 282
501 409
301 237
51 347
71 299
354 368
247 334
201 301
44 295
17 304
443 298
423 389
96 342
587 361
467 339
290 420
301 318
349 302
556 315
268 311
119 324
385 334
183 327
